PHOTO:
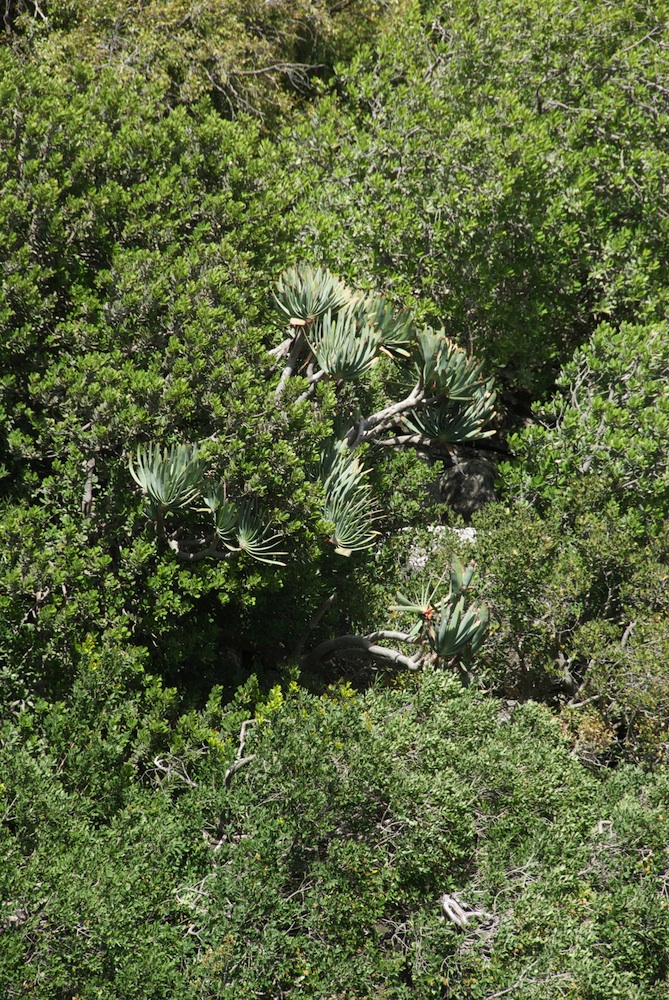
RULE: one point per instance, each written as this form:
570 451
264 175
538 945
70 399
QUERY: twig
40 12
586 701
501 993
627 633
240 761
297 69
168 770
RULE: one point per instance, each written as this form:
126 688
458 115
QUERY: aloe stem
291 363
363 643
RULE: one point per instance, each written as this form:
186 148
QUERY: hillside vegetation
272 723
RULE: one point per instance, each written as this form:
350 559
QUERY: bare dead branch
361 431
282 350
240 761
237 766
313 382
87 499
170 770
455 911
405 440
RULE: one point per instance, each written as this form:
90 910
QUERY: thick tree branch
387 634
363 643
362 431
313 382
292 362
282 350
181 551
240 761
406 440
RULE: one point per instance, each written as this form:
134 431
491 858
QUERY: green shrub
136 869
575 558
500 168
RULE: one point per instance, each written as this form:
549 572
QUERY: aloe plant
344 347
223 513
424 606
348 500
336 335
458 627
451 425
304 293
256 539
169 477
446 368
396 329
172 481
451 628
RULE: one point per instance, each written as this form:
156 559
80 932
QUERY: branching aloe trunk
337 335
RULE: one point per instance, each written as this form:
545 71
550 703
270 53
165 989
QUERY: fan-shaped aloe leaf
446 368
170 478
396 328
257 539
425 603
457 628
343 347
454 425
305 293
428 346
223 512
348 500
352 529
340 470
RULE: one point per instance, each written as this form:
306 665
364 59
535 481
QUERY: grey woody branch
365 644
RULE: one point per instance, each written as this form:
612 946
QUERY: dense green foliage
229 777
249 57
508 169
589 529
137 872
